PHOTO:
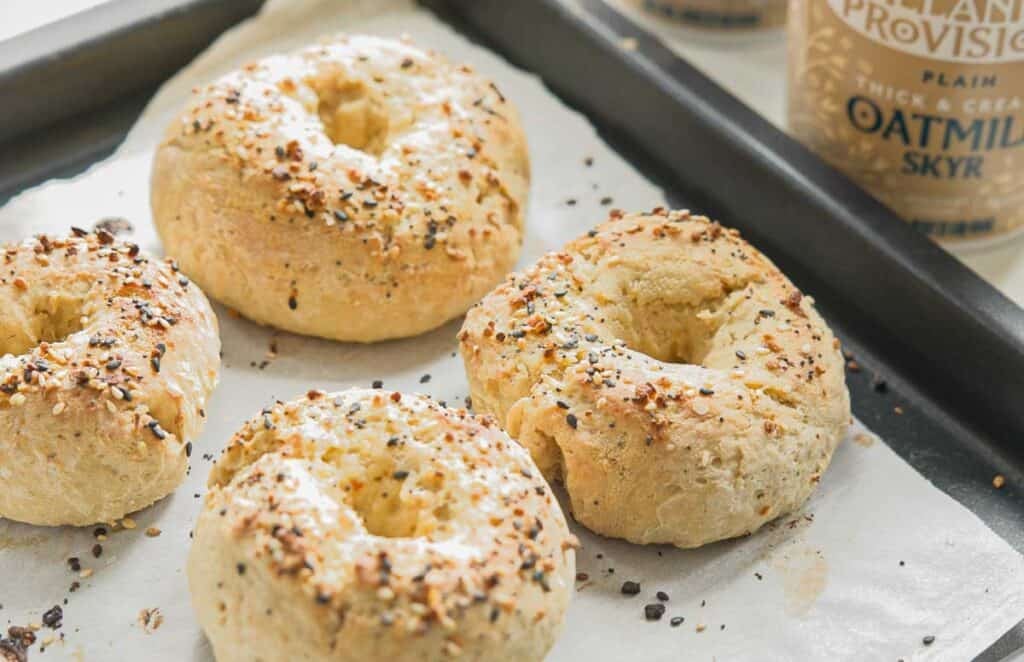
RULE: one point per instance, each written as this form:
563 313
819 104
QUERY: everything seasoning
630 588
654 611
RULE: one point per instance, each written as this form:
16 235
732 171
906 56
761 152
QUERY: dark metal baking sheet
70 90
949 348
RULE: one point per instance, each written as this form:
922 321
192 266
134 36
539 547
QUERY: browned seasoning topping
150 620
15 647
113 225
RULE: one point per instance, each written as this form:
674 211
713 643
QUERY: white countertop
17 16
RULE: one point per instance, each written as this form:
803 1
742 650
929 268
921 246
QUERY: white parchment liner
878 560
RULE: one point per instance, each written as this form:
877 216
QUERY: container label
919 101
969 31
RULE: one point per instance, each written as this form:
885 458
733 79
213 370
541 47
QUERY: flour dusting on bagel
107 358
667 373
374 525
359 189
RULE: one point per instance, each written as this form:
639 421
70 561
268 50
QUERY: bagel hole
380 507
653 321
50 318
350 113
384 511
670 335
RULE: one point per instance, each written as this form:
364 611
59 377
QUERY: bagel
358 190
369 525
667 373
108 357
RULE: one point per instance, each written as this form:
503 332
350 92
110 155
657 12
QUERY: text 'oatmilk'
919 101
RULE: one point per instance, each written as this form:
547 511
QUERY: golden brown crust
376 525
108 356
664 370
360 189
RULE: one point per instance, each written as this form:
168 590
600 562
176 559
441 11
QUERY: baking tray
930 337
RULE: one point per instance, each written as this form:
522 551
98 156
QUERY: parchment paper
878 561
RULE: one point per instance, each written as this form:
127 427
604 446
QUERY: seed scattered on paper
150 619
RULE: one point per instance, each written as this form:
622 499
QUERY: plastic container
921 102
721 15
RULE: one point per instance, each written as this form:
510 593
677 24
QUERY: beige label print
721 14
920 102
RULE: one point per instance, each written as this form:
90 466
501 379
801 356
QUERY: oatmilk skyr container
721 15
919 101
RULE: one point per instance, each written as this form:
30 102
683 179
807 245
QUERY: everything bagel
667 373
371 525
107 357
358 190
